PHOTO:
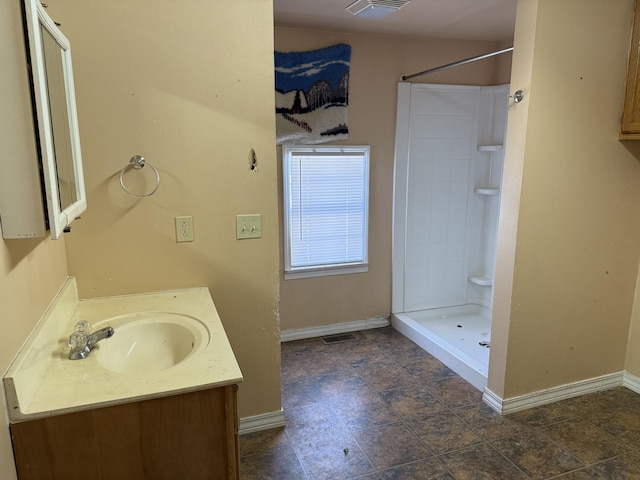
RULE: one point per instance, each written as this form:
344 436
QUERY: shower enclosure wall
448 172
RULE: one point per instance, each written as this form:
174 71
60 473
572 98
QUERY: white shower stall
448 172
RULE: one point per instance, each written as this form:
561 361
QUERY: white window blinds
326 209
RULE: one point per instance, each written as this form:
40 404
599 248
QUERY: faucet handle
83 327
77 340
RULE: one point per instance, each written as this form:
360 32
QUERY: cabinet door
188 437
630 128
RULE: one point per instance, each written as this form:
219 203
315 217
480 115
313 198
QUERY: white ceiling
482 20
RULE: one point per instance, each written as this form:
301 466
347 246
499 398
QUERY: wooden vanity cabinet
630 125
191 436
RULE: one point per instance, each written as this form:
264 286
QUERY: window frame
294 272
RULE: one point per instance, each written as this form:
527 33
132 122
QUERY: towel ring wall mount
137 162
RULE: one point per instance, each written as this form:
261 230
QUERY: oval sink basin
150 342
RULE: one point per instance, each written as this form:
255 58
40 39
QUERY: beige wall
189 85
571 265
31 271
377 64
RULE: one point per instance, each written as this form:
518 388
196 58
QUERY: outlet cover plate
184 229
248 226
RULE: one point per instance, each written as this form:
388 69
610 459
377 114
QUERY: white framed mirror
56 118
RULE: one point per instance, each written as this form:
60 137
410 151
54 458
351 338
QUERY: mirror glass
59 115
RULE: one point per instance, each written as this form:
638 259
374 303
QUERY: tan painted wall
577 242
377 64
189 85
31 271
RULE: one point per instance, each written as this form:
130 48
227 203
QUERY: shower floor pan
457 336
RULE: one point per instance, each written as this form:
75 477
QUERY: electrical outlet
248 226
184 229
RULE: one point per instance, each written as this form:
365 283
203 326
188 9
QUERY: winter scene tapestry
312 95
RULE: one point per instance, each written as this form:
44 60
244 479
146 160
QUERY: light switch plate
248 226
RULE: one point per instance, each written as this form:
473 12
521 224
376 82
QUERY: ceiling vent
375 8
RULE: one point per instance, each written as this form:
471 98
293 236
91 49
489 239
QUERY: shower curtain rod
456 64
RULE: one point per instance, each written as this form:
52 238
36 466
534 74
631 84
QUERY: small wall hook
517 97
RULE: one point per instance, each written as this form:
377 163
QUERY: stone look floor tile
621 395
381 408
411 402
311 419
277 464
591 404
481 463
391 445
263 442
444 431
320 362
292 371
428 369
584 474
335 385
358 415
625 466
303 391
488 423
585 441
336 458
355 353
429 469
536 455
623 422
371 476
454 392
543 415
383 376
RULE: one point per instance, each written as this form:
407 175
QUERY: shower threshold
457 336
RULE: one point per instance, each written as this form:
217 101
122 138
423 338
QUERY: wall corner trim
265 421
631 382
561 392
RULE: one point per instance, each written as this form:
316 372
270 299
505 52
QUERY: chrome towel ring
137 162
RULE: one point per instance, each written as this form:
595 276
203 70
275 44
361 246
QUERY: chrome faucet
82 340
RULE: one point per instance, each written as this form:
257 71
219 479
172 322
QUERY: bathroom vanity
159 402
188 436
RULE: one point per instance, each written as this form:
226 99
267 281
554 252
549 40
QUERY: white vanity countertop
42 381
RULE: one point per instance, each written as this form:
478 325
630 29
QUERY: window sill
326 272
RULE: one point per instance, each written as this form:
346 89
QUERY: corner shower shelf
489 148
481 280
486 191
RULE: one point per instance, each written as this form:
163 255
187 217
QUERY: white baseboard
334 329
265 421
562 392
631 382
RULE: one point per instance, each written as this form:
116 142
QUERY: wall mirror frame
56 118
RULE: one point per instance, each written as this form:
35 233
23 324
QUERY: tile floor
382 408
